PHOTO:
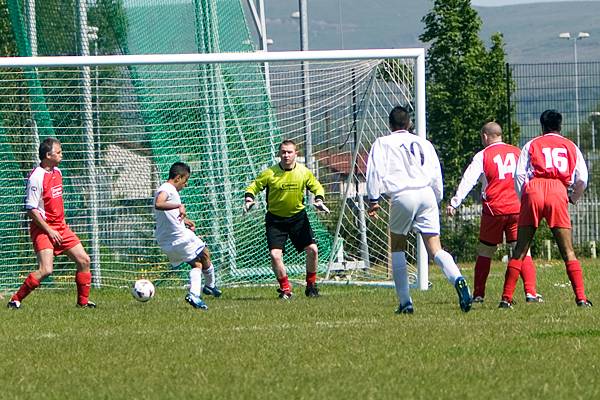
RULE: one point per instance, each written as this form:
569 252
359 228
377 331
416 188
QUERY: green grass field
347 344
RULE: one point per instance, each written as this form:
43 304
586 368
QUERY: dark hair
551 121
288 141
179 168
399 118
46 147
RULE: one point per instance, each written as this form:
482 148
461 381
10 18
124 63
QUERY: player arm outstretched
257 186
316 188
468 181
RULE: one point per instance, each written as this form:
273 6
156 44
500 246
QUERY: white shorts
415 209
186 249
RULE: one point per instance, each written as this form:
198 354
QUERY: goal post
123 120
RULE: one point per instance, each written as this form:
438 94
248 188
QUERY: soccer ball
142 290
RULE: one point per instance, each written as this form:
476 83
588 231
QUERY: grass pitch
347 344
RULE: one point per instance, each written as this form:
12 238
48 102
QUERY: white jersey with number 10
403 161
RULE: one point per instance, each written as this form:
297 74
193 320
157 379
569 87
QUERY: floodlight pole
580 35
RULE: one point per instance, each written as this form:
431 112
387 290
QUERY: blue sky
494 3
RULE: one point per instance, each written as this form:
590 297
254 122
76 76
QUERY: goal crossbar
166 59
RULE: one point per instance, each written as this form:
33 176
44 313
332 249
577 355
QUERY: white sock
445 261
209 276
400 277
195 281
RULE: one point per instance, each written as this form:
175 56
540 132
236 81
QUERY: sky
496 3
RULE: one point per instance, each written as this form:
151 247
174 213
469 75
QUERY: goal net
123 120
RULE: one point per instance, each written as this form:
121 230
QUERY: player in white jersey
406 168
175 235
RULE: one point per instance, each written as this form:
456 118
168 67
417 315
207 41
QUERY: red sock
83 281
513 270
482 270
311 278
27 287
528 275
576 277
284 284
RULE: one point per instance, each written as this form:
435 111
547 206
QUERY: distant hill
530 30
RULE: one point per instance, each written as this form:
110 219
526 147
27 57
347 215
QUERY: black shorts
297 227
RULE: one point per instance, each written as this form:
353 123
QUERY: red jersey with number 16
44 193
554 157
550 156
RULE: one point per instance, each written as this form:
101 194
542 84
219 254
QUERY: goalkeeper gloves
319 205
248 204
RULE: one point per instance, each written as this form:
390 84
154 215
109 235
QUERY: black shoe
405 309
212 291
529 298
311 291
88 305
284 294
584 303
464 296
14 304
505 304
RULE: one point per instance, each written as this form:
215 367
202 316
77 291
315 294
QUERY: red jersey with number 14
499 165
495 167
44 193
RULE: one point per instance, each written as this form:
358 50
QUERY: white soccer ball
142 290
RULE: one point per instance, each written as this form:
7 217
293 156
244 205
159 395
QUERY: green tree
7 40
466 84
500 85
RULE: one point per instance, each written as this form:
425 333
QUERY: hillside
530 30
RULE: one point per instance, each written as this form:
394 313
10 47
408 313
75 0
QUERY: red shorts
545 198
41 240
493 227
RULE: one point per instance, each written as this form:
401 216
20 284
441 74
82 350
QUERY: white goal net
123 120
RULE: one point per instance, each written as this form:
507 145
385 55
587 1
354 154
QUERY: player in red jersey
49 232
548 166
495 167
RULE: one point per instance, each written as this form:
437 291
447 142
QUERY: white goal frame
418 54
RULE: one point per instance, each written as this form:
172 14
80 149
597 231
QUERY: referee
286 216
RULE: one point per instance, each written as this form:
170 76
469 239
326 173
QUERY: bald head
492 129
491 133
